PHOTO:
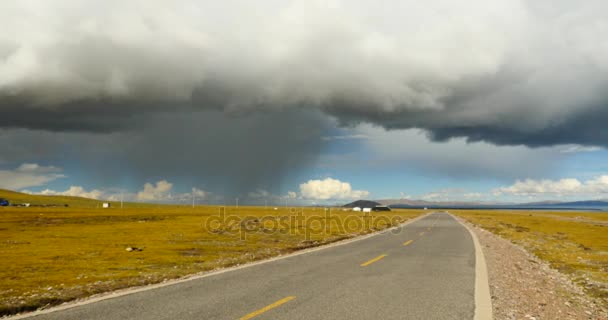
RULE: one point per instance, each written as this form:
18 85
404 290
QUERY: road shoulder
483 300
524 287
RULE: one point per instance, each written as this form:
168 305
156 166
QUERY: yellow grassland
53 255
575 243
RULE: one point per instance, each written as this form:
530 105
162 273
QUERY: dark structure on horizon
362 204
381 208
375 206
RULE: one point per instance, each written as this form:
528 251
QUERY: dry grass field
57 254
53 255
575 243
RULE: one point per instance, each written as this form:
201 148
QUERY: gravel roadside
524 287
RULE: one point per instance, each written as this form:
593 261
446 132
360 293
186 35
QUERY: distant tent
367 209
356 209
105 205
4 203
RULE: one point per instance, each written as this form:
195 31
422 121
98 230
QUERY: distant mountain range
585 203
474 204
424 203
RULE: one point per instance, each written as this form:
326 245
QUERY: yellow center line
268 307
365 264
408 242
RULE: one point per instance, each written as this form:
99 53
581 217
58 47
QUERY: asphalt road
426 271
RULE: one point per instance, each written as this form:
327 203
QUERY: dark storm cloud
587 128
68 118
507 72
232 155
229 156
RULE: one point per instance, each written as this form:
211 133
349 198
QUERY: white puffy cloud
155 192
530 186
200 194
577 148
330 189
160 191
597 186
36 168
73 191
292 195
29 175
163 193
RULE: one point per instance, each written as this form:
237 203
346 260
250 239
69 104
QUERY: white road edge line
483 299
127 291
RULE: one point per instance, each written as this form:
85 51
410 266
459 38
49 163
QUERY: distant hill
424 203
405 203
18 198
541 203
587 203
362 204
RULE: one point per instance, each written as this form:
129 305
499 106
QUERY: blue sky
359 156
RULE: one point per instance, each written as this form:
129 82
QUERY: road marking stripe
268 307
365 264
408 242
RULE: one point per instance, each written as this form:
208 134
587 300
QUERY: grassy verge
53 255
576 243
